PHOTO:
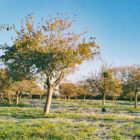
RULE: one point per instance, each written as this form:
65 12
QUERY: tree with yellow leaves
24 86
104 83
50 50
67 90
5 84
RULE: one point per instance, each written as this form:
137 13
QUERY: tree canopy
67 89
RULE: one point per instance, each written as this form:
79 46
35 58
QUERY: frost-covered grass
42 129
70 120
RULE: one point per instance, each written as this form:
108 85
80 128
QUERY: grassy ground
68 120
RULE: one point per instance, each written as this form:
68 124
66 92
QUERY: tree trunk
65 97
17 99
103 99
68 97
84 97
9 98
48 101
136 105
50 90
75 98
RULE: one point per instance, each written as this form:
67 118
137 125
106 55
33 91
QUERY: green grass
31 113
136 130
69 121
21 104
40 129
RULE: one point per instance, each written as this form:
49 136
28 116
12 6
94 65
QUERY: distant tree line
112 83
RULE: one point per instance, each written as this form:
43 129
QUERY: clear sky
114 23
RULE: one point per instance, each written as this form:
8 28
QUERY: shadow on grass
31 116
6 104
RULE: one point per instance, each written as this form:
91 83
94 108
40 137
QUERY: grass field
68 120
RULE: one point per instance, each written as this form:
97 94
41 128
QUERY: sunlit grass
45 129
70 120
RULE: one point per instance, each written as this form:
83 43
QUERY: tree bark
65 98
136 105
68 97
50 90
17 99
48 101
84 97
103 99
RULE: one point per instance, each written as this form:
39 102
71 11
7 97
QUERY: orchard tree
67 90
108 84
104 83
50 50
135 82
9 86
130 77
24 86
122 74
115 88
5 84
83 89
132 82
37 90
115 91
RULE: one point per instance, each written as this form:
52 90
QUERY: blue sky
114 23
